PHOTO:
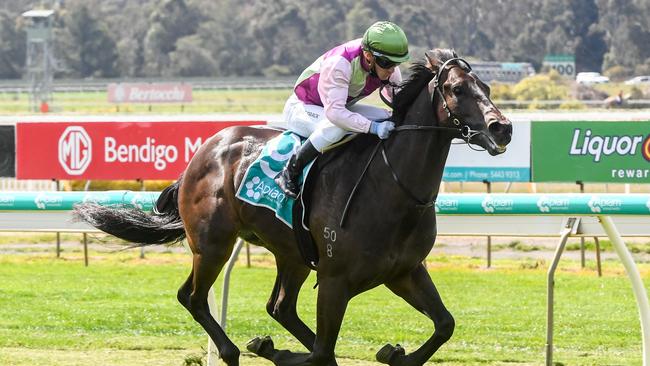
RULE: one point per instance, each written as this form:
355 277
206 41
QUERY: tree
85 45
172 20
12 47
625 33
277 37
191 59
363 15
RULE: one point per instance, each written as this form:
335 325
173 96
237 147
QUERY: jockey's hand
382 129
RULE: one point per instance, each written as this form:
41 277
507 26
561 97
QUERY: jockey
323 106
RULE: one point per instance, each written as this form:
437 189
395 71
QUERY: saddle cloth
258 187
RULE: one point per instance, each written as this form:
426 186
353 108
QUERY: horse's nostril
495 127
501 132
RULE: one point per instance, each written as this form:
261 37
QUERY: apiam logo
7 200
598 205
546 204
491 204
447 205
75 150
43 201
250 192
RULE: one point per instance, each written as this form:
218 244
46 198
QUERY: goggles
383 61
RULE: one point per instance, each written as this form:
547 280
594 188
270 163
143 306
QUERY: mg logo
75 150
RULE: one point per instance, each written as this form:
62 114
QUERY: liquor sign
110 150
607 152
467 165
565 65
149 93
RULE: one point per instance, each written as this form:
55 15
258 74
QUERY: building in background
505 72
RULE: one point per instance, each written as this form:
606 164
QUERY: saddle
258 188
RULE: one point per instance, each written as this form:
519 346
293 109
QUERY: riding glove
382 129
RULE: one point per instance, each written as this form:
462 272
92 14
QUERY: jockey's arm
333 85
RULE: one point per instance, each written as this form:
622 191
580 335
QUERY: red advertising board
110 150
149 93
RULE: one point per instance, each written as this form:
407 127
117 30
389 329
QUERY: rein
465 132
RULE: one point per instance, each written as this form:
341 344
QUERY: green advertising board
606 152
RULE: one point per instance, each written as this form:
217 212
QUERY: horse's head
462 100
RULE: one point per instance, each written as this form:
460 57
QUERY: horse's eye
457 90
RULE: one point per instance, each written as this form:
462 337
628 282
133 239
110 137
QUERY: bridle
461 128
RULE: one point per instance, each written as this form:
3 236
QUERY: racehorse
390 225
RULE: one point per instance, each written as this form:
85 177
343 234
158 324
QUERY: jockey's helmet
387 39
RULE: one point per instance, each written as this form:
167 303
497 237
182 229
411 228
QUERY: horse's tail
132 224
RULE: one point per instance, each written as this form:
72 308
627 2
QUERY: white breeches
308 120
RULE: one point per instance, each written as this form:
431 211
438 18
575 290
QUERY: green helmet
387 39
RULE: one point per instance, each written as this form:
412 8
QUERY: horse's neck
421 154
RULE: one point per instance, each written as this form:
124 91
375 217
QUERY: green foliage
540 87
85 45
523 247
105 185
501 91
618 72
572 105
276 70
237 38
12 47
190 58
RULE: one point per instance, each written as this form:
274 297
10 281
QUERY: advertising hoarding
110 150
149 93
467 165
606 152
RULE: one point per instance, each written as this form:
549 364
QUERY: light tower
40 58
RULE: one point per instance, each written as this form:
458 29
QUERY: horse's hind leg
183 295
282 304
208 260
418 290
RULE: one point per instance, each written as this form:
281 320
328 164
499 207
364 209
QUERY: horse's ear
433 63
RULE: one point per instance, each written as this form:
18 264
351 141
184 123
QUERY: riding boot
288 178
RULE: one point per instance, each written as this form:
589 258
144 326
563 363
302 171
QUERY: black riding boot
288 179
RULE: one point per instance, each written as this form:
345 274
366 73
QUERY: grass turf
122 311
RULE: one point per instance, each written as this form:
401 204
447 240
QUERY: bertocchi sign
110 150
149 93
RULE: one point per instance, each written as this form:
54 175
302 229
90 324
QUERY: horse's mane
420 75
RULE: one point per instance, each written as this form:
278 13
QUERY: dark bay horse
390 225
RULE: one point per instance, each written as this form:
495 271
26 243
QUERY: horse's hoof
260 346
388 353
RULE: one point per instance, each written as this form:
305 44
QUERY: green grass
204 102
122 311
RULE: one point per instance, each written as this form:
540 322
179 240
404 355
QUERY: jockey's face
382 72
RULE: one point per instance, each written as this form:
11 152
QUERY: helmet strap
373 70
372 65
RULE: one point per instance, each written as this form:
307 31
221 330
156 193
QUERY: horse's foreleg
206 266
418 290
282 304
332 302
